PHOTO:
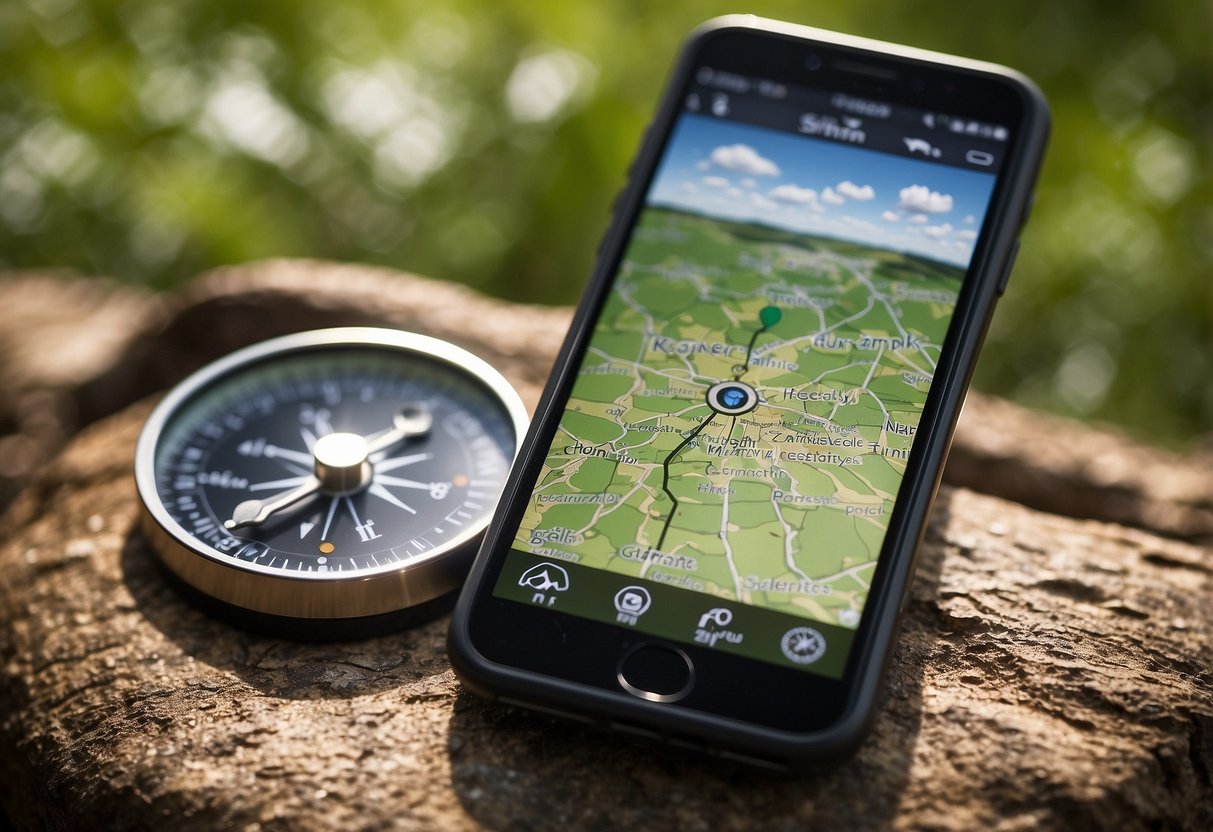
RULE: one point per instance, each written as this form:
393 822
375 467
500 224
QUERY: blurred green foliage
481 141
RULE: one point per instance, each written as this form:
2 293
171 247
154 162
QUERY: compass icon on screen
803 645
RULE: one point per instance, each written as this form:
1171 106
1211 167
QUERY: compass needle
289 482
261 473
328 521
408 422
256 512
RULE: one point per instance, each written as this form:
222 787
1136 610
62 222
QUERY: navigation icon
718 616
803 645
712 626
631 602
545 578
732 398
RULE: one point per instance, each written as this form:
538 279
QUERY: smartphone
710 530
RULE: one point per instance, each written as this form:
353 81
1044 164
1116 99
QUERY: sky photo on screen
738 172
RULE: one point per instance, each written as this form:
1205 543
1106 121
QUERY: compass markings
399 483
332 393
227 430
204 525
275 452
383 494
321 421
366 532
328 521
399 462
438 490
365 528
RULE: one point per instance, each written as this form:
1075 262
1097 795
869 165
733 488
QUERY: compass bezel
313 595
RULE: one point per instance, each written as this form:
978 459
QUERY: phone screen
728 459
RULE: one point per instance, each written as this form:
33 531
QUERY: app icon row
800 645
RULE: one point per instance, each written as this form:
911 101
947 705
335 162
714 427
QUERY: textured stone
57 332
1066 467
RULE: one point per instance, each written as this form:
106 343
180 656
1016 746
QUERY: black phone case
732 738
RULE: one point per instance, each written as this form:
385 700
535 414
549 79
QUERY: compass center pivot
341 463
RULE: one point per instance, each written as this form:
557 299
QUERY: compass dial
339 473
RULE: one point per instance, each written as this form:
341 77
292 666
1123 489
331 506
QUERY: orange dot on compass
327 547
459 480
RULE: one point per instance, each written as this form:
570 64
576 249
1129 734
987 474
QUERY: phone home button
658 674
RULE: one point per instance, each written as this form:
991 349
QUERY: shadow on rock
287 658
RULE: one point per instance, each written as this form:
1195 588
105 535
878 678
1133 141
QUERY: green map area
827 346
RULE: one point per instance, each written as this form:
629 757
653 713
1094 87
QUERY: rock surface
1065 467
57 333
1053 671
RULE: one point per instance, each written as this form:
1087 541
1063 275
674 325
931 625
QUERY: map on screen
744 411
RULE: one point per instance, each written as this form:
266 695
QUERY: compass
333 474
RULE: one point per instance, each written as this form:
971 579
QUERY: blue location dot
732 397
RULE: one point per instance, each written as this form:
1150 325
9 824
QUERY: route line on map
665 477
768 316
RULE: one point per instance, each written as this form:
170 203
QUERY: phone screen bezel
579 656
